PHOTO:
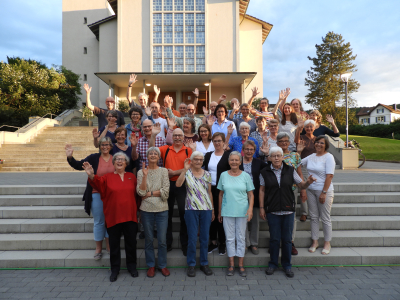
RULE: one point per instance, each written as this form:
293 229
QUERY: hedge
375 130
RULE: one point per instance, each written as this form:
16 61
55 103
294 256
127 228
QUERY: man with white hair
155 111
191 110
277 205
101 113
231 113
173 160
142 97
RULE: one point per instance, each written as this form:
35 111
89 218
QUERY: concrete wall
76 35
221 35
251 54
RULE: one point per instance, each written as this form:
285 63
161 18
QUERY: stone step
56 145
343 187
36 169
38 200
367 197
38 164
84 241
78 225
84 258
28 212
66 189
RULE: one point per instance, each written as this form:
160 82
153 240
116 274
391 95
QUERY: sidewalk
327 283
370 172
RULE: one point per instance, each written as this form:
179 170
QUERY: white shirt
290 129
212 167
200 147
164 126
319 167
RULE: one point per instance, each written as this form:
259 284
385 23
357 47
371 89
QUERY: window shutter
376 119
368 120
384 118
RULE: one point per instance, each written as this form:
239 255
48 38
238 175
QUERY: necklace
106 160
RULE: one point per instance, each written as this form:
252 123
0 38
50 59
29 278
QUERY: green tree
326 90
29 88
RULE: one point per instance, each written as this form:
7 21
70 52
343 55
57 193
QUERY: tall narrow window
157 28
168 29
189 28
167 5
84 50
157 5
178 28
168 59
200 5
179 59
84 20
157 59
189 58
84 77
200 59
200 29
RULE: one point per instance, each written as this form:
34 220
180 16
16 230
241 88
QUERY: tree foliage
29 88
326 90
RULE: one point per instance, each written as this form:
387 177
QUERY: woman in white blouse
321 165
205 144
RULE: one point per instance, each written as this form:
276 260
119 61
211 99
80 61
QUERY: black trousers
129 230
178 193
216 228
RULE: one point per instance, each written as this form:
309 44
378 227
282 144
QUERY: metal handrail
37 120
11 126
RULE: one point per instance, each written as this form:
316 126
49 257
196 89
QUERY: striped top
197 197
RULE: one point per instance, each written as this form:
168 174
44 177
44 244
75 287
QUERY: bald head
191 110
147 126
155 109
213 105
177 136
182 109
110 103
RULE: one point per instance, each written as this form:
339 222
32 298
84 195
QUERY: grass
377 148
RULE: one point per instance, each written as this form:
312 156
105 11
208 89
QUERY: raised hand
253 111
134 140
281 95
205 111
156 90
196 92
330 119
286 93
265 147
69 150
132 79
144 169
156 129
265 137
163 111
147 110
168 101
210 120
95 133
222 98
87 88
171 123
255 92
235 107
300 123
187 163
88 169
190 145
300 146
230 129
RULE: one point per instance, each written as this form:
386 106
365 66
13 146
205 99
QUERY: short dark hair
206 126
218 107
216 134
135 109
264 98
325 138
261 118
120 129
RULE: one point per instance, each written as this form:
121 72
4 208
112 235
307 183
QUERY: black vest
278 198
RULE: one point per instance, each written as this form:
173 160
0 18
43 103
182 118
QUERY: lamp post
345 78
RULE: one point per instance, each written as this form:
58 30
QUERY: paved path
327 283
370 172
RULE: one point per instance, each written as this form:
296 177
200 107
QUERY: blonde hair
318 114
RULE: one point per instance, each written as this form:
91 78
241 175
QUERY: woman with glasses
222 123
118 190
236 143
189 131
107 130
245 110
199 210
102 164
253 167
292 159
120 146
136 114
205 144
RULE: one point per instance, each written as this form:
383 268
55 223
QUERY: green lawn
377 148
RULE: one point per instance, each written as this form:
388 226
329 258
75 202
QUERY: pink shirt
104 168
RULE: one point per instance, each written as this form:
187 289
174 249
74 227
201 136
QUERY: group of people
224 172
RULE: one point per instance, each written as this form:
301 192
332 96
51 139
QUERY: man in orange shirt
173 159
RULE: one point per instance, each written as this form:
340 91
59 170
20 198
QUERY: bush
375 130
123 106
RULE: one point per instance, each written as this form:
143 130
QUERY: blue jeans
280 229
196 219
99 227
148 221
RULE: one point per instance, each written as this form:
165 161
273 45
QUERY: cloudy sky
32 29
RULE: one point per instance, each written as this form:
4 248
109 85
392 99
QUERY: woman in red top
118 191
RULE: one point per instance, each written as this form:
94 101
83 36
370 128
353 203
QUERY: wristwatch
151 194
323 192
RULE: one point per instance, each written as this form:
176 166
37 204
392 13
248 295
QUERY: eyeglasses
112 117
197 159
273 126
148 126
177 135
276 156
320 143
120 159
244 128
105 145
135 115
283 142
217 141
203 131
220 111
249 149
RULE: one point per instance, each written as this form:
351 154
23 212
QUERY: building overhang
180 81
95 27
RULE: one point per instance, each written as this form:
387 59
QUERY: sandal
98 256
312 249
242 273
230 272
326 251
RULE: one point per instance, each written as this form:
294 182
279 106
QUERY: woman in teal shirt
236 201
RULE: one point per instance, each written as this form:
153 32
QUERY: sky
33 29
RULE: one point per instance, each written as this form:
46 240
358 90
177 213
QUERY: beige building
176 44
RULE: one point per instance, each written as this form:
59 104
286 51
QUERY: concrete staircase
46 151
75 121
45 226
